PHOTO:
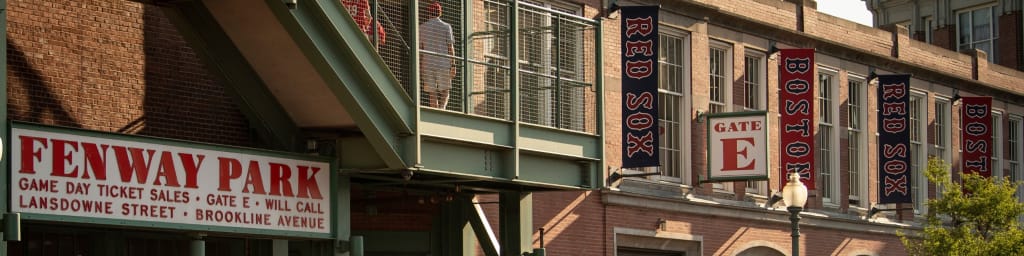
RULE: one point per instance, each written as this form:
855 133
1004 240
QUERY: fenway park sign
91 177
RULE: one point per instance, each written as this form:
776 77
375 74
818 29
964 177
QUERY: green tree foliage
981 222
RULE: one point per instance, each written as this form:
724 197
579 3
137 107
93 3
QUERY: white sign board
738 146
95 178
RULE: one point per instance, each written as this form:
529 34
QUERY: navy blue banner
894 139
639 86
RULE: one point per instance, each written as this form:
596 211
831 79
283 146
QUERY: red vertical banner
796 97
976 133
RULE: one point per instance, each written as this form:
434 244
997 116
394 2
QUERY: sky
854 10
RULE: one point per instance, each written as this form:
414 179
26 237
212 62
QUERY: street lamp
794 195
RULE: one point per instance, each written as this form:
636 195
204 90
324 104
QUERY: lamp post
794 195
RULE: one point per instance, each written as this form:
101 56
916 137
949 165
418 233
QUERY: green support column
357 246
513 108
516 222
464 65
599 49
343 224
3 115
197 246
416 149
468 238
453 229
279 247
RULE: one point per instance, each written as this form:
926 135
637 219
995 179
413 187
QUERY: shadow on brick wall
43 105
182 99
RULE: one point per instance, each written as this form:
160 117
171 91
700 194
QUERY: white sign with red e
738 146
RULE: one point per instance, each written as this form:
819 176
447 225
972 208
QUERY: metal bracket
876 210
776 197
616 176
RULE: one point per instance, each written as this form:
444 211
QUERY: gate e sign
738 146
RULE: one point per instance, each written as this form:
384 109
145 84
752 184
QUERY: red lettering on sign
732 152
166 170
191 168
893 91
738 126
307 182
645 99
642 26
894 167
28 145
254 178
894 125
896 185
138 166
891 151
229 169
639 121
642 47
639 69
279 184
95 161
637 144
894 108
62 158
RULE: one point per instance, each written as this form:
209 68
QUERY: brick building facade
991 26
672 214
143 69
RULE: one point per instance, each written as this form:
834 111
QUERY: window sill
654 187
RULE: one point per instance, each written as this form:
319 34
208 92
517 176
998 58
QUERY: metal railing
555 58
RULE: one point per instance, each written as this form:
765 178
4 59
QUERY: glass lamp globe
794 194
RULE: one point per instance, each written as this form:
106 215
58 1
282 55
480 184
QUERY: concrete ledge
697 206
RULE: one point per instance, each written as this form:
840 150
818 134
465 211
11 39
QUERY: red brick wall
577 224
113 66
945 37
1009 42
394 211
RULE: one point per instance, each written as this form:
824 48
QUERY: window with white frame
551 53
720 86
977 28
1013 147
1014 133
754 76
720 63
753 80
917 111
673 79
929 25
942 134
997 144
942 131
855 134
494 52
825 157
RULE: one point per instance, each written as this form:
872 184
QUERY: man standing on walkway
437 62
